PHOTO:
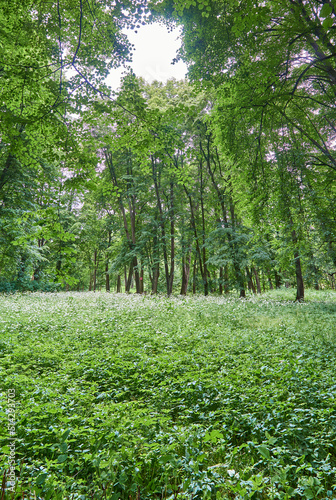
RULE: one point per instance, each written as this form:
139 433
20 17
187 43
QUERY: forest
224 182
168 253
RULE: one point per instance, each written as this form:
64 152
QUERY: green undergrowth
139 397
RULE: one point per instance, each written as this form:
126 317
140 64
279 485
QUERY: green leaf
327 23
309 494
213 436
264 451
65 435
41 479
61 458
63 447
326 10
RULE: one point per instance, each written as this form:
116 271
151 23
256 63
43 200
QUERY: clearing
139 397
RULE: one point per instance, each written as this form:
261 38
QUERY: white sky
154 50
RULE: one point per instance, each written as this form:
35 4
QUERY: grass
138 397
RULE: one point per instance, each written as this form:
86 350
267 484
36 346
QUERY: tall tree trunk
95 271
141 280
256 274
172 239
221 280
118 283
194 276
107 264
226 279
155 265
185 272
155 281
129 279
198 250
107 286
298 271
131 205
250 283
263 280
205 268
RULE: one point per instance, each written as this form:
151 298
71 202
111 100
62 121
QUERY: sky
154 51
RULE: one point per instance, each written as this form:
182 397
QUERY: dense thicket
223 183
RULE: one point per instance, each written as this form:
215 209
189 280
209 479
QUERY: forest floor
140 397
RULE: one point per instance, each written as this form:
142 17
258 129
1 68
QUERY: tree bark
194 276
107 286
185 272
155 281
298 271
129 279
172 239
95 271
107 264
198 250
221 280
205 269
250 283
141 280
256 274
118 283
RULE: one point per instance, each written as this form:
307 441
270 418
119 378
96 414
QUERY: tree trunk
118 283
172 240
298 271
155 264
250 283
95 271
107 263
198 250
221 280
214 283
226 279
129 279
185 273
141 280
256 274
205 269
137 276
107 277
155 280
194 276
